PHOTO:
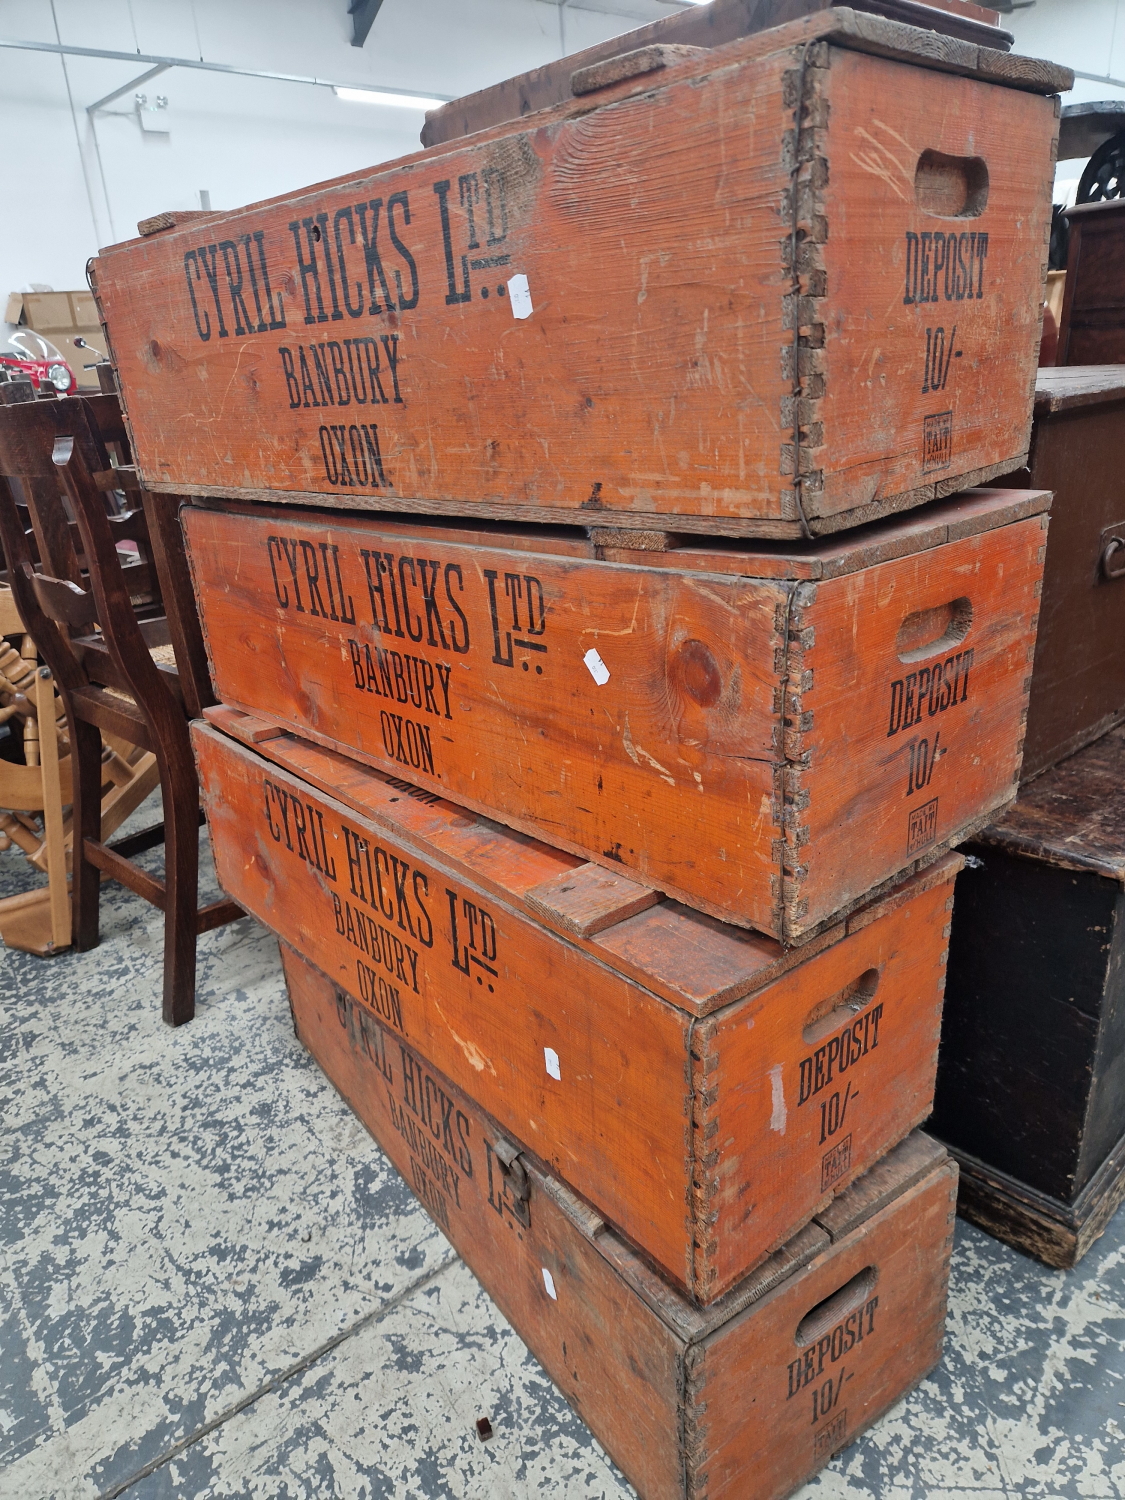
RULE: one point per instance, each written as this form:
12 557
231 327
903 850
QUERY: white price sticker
596 667
519 294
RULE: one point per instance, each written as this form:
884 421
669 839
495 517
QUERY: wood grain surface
359 342
1072 817
747 1397
707 1141
1068 387
1053 1230
675 717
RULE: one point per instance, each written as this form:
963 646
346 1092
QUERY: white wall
1087 35
68 190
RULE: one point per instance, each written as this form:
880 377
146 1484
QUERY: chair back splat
103 587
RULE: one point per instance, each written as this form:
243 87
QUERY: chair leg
181 885
86 765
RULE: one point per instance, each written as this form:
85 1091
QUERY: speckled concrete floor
213 1284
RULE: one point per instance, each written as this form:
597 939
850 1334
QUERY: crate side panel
813 1397
930 347
823 1099
920 676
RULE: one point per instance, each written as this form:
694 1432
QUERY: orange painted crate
746 1398
707 1090
593 314
767 735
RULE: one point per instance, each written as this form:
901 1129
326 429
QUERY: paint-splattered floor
213 1284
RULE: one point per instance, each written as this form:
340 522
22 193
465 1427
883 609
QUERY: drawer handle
951 187
932 632
819 1322
1113 549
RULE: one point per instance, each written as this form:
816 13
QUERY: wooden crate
715 722
709 25
704 1088
745 1398
1078 682
1031 1082
592 315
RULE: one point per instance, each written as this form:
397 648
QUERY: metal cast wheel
1104 177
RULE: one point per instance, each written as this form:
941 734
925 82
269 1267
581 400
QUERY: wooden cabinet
1078 684
1093 320
1031 1081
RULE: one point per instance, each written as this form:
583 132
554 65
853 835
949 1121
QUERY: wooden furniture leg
181 884
52 809
86 763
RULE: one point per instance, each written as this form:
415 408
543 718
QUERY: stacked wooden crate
609 659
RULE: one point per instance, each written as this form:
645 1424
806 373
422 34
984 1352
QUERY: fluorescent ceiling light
379 96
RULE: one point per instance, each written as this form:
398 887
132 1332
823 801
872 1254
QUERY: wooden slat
52 809
217 914
714 25
126 872
650 59
589 899
64 601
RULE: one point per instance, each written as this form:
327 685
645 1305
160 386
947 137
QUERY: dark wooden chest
1031 1074
1078 685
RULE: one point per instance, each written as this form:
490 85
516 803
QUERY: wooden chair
38 921
99 625
39 790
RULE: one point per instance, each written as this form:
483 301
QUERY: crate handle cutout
823 1318
951 187
933 632
826 1016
